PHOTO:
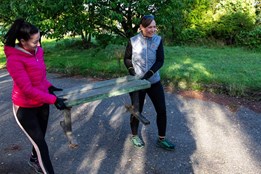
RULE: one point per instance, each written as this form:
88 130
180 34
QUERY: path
209 137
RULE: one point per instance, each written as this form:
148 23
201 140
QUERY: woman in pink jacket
32 92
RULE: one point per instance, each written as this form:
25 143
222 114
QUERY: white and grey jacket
145 54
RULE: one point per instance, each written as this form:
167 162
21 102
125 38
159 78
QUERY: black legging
156 94
33 122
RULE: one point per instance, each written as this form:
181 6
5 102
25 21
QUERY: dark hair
20 29
146 20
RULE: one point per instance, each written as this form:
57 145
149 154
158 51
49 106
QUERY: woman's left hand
147 75
51 89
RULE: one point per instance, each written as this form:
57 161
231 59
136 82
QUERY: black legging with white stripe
33 122
157 96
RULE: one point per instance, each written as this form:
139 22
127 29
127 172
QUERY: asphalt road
209 138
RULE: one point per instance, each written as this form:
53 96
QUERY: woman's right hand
59 103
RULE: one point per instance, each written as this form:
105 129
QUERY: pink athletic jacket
30 86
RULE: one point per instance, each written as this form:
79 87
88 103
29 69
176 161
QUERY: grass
2 56
234 71
72 60
231 70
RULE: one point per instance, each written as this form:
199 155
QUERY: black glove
59 103
147 75
51 89
131 71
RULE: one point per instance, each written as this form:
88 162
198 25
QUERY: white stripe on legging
15 108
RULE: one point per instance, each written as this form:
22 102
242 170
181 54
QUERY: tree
123 17
170 19
178 20
55 18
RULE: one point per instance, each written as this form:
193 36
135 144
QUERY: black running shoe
33 162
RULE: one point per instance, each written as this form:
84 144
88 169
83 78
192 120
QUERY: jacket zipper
35 55
146 54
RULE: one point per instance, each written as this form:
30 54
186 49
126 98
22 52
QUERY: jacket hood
9 51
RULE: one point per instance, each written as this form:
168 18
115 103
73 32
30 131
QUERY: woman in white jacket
144 56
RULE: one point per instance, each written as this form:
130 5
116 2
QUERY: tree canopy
178 20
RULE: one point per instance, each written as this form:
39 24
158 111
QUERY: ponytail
20 29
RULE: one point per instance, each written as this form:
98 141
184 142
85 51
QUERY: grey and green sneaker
137 142
165 144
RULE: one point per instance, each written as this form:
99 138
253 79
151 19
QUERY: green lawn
234 71
2 56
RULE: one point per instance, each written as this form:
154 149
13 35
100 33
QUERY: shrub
191 35
69 43
104 40
250 39
229 26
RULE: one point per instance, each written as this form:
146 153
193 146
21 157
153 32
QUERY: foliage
178 21
231 18
170 20
123 17
198 14
102 40
257 5
231 25
250 39
191 35
190 21
185 17
2 57
55 18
